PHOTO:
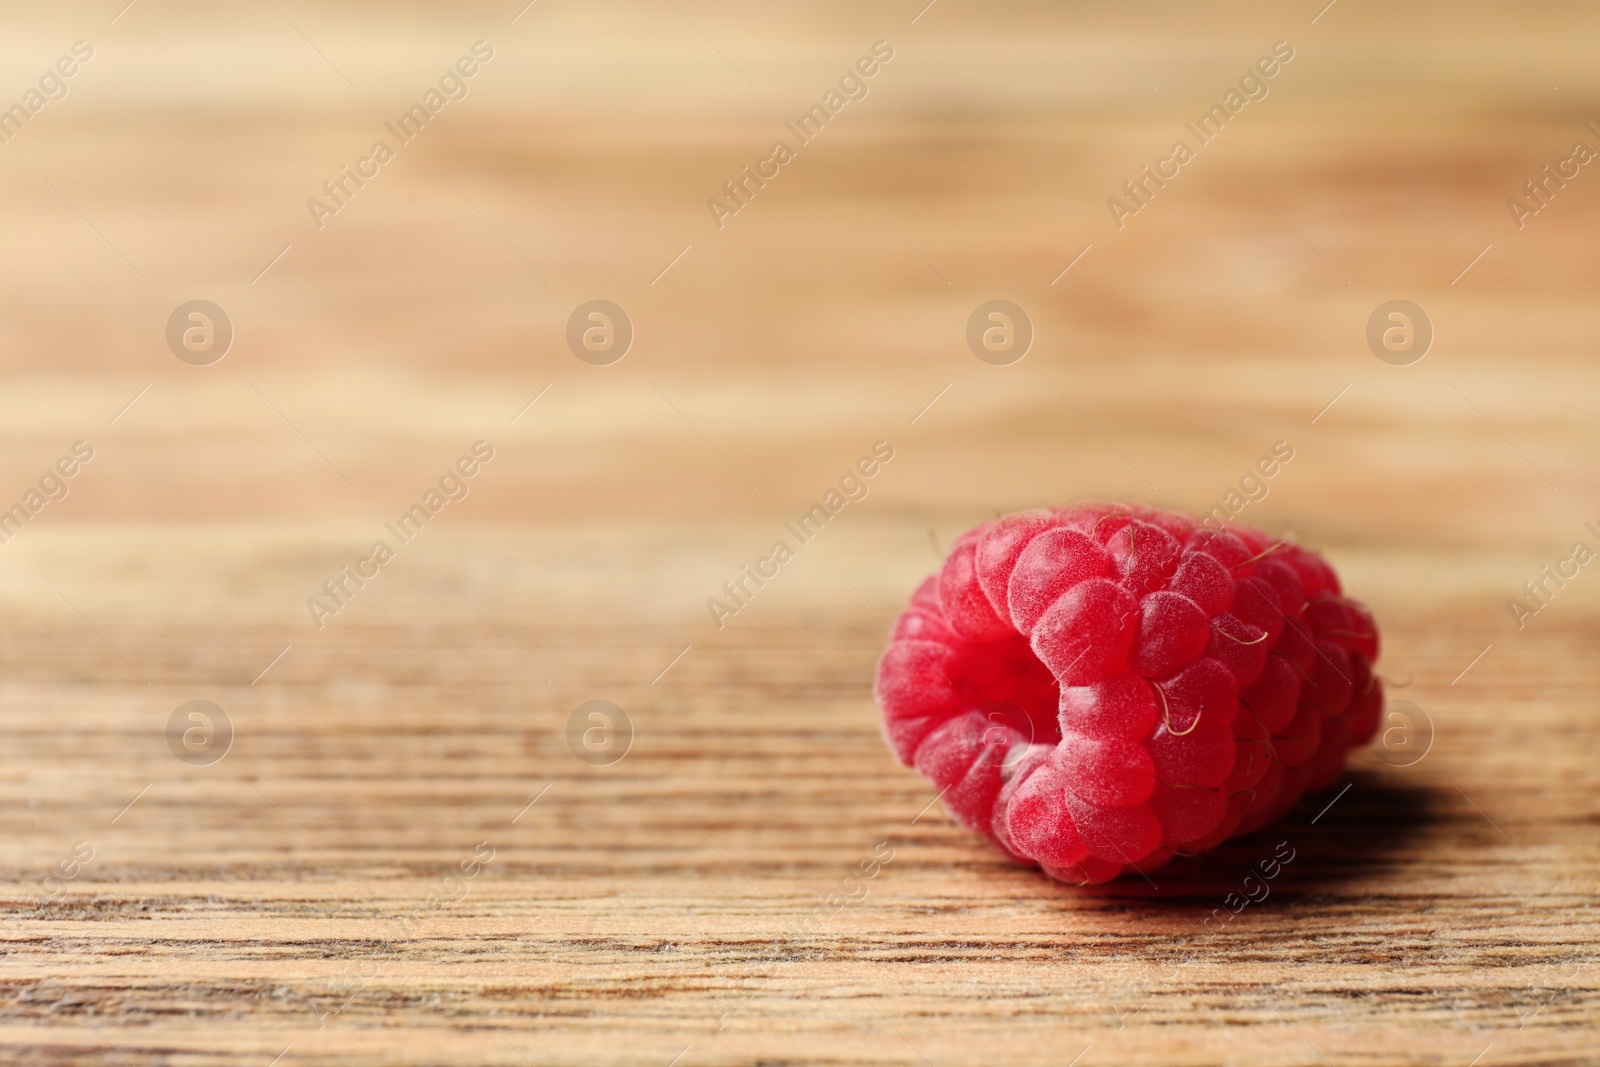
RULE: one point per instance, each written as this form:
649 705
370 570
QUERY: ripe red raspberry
1101 686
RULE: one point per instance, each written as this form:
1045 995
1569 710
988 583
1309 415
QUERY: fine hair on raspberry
1100 687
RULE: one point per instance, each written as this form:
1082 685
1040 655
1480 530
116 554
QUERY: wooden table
400 857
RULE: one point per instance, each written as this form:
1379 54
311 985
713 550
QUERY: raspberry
1102 687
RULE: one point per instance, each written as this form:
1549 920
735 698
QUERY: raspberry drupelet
1101 687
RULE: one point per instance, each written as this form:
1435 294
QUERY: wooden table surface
399 856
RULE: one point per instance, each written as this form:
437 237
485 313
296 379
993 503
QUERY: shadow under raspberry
1365 825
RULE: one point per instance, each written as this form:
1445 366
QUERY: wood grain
692 902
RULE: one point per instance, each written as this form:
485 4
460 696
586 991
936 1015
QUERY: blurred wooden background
663 909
